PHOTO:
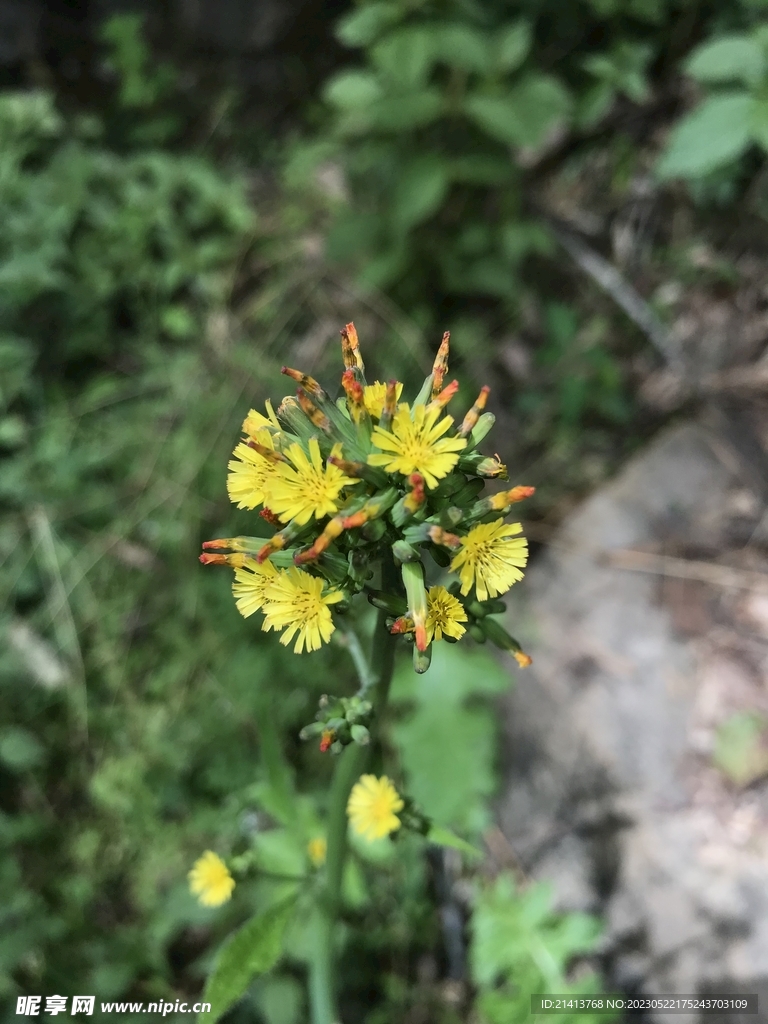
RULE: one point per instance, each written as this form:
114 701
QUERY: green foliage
728 121
520 947
447 742
252 950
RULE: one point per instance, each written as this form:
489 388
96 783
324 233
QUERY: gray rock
611 791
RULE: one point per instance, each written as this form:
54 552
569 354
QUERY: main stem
352 762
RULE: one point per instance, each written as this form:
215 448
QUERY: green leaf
716 132
734 58
254 949
362 26
461 46
525 115
446 747
419 193
411 110
512 44
405 56
479 169
444 837
352 89
760 122
740 751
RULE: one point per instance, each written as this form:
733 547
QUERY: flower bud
422 659
480 430
473 415
360 735
404 552
413 580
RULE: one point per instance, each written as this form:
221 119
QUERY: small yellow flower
250 584
374 395
295 602
317 849
491 558
303 487
445 613
210 880
249 471
372 807
415 444
254 425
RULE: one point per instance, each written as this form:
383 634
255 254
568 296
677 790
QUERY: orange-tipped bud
446 540
236 561
326 739
308 383
421 636
276 543
220 542
520 494
332 530
350 348
356 519
314 415
522 659
355 395
266 453
417 495
269 515
440 401
403 624
440 365
474 413
506 498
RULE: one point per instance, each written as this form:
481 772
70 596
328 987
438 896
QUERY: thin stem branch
351 764
362 667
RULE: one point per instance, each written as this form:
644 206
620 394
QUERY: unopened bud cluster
340 721
347 483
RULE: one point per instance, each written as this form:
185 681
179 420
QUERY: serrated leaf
363 25
734 58
444 837
352 89
716 132
254 949
419 192
461 46
512 44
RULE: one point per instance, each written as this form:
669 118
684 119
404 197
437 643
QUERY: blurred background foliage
164 247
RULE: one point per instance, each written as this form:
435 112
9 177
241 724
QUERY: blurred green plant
732 116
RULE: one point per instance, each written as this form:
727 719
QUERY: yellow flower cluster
344 484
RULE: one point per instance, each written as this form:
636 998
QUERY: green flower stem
351 765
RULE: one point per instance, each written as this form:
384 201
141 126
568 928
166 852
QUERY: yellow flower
303 487
416 444
295 602
254 425
491 558
210 880
373 396
317 848
445 613
250 583
372 807
249 471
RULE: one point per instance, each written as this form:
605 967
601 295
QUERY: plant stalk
352 763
